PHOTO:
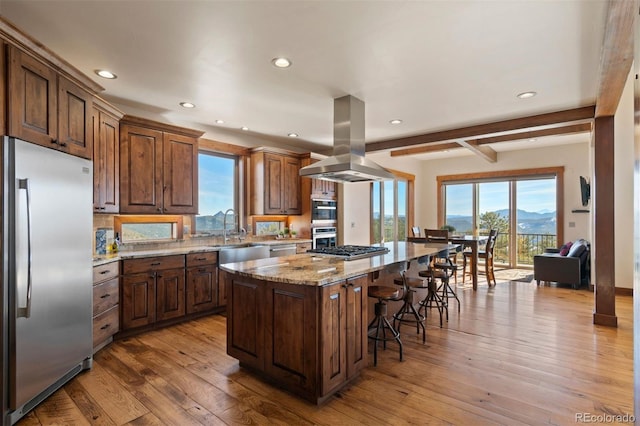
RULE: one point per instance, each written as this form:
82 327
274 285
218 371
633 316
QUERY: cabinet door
170 302
274 202
33 99
180 174
106 163
356 324
291 185
333 337
74 119
138 300
140 170
202 289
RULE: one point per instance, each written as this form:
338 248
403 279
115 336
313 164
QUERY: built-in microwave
324 212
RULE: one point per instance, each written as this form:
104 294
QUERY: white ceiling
434 64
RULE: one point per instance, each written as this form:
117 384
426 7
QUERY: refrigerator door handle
25 312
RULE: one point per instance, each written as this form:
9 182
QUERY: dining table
473 242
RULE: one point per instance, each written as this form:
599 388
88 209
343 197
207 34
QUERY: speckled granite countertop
133 254
318 270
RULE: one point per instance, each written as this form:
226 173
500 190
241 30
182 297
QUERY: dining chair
487 255
415 231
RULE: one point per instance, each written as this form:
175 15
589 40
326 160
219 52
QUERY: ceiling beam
552 119
434 147
483 151
617 55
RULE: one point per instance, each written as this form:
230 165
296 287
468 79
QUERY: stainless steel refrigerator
47 272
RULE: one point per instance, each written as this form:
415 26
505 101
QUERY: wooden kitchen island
301 321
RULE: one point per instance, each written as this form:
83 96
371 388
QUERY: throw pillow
576 250
564 250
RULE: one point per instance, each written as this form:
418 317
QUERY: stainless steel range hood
348 163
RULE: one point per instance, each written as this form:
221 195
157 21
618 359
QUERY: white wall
623 180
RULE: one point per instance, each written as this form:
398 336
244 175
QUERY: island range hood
347 164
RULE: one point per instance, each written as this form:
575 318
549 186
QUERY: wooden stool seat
383 292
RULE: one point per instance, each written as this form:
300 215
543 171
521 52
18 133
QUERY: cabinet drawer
105 296
105 325
105 272
133 266
204 258
302 247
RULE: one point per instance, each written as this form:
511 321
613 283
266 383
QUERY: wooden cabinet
106 158
343 336
310 340
106 314
152 290
323 189
275 183
202 282
47 108
302 247
158 168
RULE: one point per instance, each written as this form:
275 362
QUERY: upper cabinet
46 108
323 189
158 168
275 183
106 158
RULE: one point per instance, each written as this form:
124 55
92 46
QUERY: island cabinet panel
343 334
245 324
291 338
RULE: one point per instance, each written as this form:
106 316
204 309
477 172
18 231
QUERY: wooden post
604 259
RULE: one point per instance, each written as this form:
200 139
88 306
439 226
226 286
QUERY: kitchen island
301 321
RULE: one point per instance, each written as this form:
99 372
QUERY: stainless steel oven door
324 212
324 237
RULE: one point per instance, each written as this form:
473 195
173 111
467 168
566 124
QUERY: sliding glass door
389 210
522 209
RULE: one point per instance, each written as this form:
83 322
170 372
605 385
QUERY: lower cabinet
310 340
106 315
166 289
202 282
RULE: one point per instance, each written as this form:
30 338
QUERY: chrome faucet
224 224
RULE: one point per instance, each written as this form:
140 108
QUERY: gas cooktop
350 252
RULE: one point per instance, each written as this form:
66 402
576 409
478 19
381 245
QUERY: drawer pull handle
104 296
155 263
201 258
104 327
104 272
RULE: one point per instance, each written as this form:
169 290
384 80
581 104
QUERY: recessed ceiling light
293 135
395 121
106 74
533 140
281 62
245 128
187 105
525 95
219 121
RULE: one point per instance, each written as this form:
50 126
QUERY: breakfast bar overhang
300 321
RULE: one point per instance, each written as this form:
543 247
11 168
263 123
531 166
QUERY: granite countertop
134 254
318 270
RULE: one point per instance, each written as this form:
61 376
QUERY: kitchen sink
241 253
236 245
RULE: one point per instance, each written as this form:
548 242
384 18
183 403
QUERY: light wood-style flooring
516 354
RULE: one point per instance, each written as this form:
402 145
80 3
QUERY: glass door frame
506 175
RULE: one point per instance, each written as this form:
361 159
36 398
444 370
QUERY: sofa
570 264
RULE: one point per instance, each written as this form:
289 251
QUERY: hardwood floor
516 354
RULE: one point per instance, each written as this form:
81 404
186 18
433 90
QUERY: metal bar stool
408 313
433 299
380 327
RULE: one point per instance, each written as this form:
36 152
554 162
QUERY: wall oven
324 237
324 212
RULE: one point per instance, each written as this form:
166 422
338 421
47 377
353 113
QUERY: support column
603 204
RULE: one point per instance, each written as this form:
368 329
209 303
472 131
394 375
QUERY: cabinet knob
54 141
104 296
159 209
62 144
104 327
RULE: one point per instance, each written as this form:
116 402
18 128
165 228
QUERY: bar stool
380 325
408 313
433 299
